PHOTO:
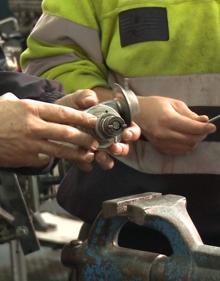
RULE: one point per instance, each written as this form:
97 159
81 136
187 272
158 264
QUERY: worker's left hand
83 99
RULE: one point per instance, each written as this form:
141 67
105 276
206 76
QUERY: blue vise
100 258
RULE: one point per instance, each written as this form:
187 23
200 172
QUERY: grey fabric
39 66
60 31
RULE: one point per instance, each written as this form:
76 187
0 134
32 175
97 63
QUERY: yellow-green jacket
164 47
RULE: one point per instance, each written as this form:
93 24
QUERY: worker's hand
32 131
83 99
129 135
171 126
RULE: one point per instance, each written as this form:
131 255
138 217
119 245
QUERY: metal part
109 125
127 102
11 43
18 263
19 224
212 120
27 12
113 116
100 258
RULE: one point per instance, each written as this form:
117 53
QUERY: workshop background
54 226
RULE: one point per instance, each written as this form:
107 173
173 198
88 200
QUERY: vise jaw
100 258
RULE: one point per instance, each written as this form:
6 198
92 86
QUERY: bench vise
100 258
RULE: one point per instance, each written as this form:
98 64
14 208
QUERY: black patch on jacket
143 24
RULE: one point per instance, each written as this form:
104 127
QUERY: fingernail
119 150
92 119
88 101
213 130
90 157
95 146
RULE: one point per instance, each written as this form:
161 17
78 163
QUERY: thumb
81 99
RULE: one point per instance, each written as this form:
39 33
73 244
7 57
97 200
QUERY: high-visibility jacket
165 47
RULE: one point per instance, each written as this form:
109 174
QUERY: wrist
138 119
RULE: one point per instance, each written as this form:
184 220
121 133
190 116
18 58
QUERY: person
169 52
33 129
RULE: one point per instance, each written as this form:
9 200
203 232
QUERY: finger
119 149
189 126
65 133
85 99
64 115
35 160
132 133
202 118
8 96
104 160
81 99
61 151
186 118
43 157
184 110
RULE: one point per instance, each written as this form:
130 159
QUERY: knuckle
69 133
165 119
87 93
25 104
79 94
179 103
84 117
32 127
157 134
63 112
60 152
29 106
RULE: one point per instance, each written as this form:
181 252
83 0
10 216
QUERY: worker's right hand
32 131
170 126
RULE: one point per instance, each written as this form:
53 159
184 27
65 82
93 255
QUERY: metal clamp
100 258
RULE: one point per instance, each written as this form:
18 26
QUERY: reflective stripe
195 90
204 160
39 66
57 30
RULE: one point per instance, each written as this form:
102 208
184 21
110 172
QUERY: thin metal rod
214 119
